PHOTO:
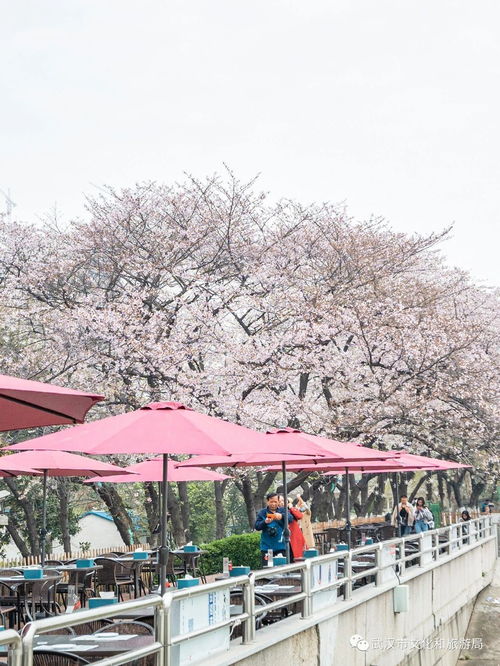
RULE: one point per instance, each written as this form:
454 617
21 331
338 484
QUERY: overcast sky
390 106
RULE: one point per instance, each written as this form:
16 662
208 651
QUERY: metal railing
402 555
156 647
12 640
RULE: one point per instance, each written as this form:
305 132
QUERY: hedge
242 550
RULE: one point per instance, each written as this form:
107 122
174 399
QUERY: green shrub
242 550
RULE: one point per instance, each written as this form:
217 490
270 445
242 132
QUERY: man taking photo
270 521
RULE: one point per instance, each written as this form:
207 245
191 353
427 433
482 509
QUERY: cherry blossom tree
268 314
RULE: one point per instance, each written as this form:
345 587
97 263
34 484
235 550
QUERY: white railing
393 555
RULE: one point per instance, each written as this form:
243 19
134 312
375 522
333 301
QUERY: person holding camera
403 516
270 522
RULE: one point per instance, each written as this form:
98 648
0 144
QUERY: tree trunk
379 501
17 539
420 482
176 519
151 505
184 504
476 492
113 501
63 492
220 521
30 514
244 485
429 491
441 489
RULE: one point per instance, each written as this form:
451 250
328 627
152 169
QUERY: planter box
97 602
187 582
33 574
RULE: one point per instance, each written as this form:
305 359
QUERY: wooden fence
74 555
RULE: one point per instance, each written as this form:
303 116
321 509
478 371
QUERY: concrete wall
441 602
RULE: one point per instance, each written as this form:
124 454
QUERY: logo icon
359 642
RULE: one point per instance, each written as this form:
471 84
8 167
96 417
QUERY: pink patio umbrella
59 463
152 470
26 404
165 428
402 462
331 451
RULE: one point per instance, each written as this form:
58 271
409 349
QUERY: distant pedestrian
422 516
402 516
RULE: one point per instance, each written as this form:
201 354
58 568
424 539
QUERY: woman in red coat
297 541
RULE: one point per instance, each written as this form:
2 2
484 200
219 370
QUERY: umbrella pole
398 517
43 531
163 551
348 509
286 531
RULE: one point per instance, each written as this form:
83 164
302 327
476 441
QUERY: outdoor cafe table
92 646
14 583
136 567
189 560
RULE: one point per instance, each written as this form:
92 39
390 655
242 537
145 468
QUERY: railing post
450 537
167 629
420 547
249 607
378 564
307 589
348 575
159 622
402 554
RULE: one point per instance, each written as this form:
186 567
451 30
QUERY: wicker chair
9 599
132 627
52 658
237 599
127 627
113 575
87 628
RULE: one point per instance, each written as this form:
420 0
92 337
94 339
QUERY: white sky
389 105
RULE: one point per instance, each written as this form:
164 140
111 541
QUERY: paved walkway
485 624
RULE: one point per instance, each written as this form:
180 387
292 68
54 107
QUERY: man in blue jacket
270 521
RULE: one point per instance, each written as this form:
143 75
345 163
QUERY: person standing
270 522
422 516
403 516
306 523
297 541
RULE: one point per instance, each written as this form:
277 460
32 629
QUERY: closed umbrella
27 404
59 463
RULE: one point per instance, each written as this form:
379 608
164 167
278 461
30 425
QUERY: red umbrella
402 462
8 469
330 450
160 427
152 470
27 404
59 463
